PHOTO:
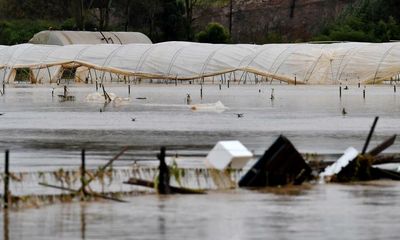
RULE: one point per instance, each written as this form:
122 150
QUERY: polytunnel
346 63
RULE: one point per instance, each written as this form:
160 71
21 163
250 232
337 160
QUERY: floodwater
44 133
320 212
41 131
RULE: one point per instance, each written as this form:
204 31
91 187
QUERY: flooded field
39 129
44 133
320 212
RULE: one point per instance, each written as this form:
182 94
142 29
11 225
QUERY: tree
171 21
372 21
213 33
189 7
103 16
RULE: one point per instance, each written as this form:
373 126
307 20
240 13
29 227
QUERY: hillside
267 20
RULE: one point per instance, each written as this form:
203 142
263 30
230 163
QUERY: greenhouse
63 38
337 63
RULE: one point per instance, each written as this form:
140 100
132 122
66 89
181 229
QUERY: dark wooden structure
281 164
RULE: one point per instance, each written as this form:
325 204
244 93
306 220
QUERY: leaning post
371 131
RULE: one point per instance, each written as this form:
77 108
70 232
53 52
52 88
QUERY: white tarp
346 63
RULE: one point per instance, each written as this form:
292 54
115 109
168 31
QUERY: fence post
6 180
83 173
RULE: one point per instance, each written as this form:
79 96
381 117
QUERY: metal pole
6 180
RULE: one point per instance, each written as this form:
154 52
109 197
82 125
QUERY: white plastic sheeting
63 38
347 63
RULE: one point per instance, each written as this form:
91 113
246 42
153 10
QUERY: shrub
213 33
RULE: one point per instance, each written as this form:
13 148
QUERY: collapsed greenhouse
349 63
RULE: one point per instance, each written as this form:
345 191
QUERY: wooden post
228 83
364 93
163 179
394 88
6 180
97 86
340 91
129 89
369 136
83 173
201 91
295 80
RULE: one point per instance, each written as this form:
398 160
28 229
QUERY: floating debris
336 167
213 107
280 165
239 115
360 167
230 154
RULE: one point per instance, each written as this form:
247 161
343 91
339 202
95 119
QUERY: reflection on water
83 221
316 212
6 223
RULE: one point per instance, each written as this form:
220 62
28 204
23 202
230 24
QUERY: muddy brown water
43 134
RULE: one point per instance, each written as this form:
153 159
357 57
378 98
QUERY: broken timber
78 192
150 184
361 168
163 186
281 164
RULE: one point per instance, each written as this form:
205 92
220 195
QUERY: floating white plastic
342 162
227 153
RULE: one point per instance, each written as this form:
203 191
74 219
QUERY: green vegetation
161 20
214 33
369 21
168 20
21 31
